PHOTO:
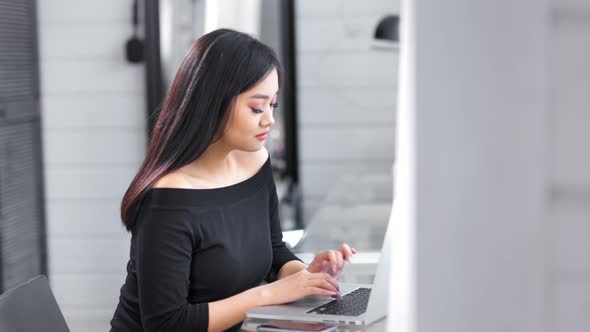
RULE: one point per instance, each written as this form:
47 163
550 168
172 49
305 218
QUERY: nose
267 119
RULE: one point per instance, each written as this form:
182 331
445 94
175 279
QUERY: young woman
202 209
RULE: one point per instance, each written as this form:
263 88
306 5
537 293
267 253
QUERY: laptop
361 304
31 307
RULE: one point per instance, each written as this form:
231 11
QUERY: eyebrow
261 96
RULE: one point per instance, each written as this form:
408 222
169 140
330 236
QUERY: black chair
31 307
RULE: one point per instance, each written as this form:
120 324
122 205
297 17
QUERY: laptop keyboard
351 304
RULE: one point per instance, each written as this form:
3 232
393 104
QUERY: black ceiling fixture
388 29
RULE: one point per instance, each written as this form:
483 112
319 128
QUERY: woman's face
252 115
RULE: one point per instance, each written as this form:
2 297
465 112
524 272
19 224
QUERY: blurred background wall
94 136
347 93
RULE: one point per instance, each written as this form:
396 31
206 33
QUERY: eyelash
258 111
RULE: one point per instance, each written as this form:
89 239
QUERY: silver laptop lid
379 299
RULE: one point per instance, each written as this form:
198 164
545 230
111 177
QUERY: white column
477 170
241 15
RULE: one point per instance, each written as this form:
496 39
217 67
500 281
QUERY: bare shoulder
249 163
172 180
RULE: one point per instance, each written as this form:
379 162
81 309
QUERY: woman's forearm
228 312
290 267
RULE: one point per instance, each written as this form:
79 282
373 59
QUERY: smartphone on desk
286 326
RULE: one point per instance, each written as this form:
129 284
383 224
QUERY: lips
263 134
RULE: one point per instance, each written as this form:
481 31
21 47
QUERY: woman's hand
297 286
331 261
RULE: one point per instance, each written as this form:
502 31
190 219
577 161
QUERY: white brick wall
346 94
93 125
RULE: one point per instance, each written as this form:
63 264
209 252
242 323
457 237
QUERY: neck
216 163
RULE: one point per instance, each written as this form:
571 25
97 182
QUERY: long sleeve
164 243
280 253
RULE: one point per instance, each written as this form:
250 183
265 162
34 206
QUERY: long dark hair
219 66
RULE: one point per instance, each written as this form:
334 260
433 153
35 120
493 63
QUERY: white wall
346 94
92 111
